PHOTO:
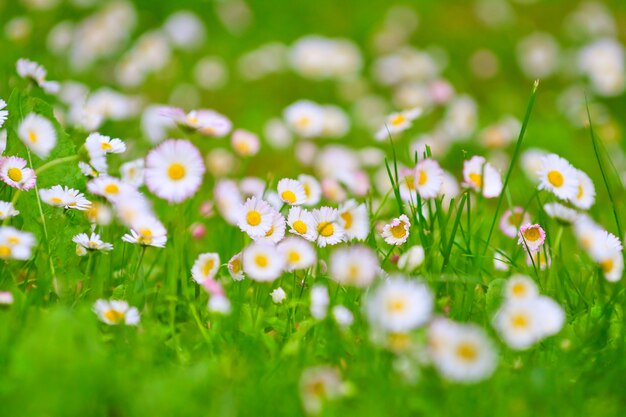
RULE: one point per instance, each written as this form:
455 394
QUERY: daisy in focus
531 236
147 231
396 232
255 217
291 192
93 242
174 170
14 173
114 312
329 230
559 177
302 223
65 197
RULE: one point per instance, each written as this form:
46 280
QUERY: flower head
531 236
38 134
65 197
396 232
14 173
114 312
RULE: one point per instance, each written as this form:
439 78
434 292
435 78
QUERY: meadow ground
313 208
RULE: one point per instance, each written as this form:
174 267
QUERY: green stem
54 163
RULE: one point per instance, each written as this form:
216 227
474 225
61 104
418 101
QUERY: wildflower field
333 208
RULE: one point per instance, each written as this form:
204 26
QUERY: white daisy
278 295
235 267
205 122
205 267
37 73
520 287
115 312
397 122
15 244
305 118
147 231
100 214
412 259
14 173
301 222
38 134
297 252
65 197
132 207
291 192
354 265
399 305
132 172
559 177
612 265
110 188
312 189
481 176
91 242
354 219
262 262
174 170
277 229
428 178
98 145
396 232
512 220
255 217
319 301
561 213
245 143
7 210
531 236
329 230
228 200
586 195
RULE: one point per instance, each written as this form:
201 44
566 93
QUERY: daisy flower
37 73
586 195
255 217
235 267
15 244
110 188
559 177
3 113
612 265
520 287
7 210
262 262
604 243
397 122
397 231
305 118
428 178
297 252
205 122
278 295
245 143
481 176
98 145
132 207
512 220
412 259
147 231
406 184
301 222
133 172
354 265
561 213
277 229
38 134
93 242
312 189
343 316
354 219
205 267
319 385
115 312
14 173
89 171
399 305
100 214
464 353
291 192
531 236
65 197
174 170
329 230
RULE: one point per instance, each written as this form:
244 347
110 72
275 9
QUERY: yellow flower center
556 178
288 196
353 272
261 260
532 235
269 232
398 231
32 136
303 121
208 266
307 190
606 265
15 174
410 182
347 217
235 265
145 236
581 192
113 316
300 226
326 229
476 179
422 177
176 171
56 200
5 251
112 189
293 257
519 321
396 305
399 341
518 289
13 240
467 352
253 218
516 219
398 119
242 146
106 146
